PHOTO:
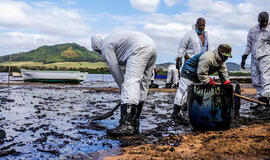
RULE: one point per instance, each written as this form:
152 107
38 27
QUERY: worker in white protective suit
153 85
172 76
197 70
258 44
194 42
138 53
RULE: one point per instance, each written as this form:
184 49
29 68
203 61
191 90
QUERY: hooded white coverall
258 44
172 75
138 53
191 44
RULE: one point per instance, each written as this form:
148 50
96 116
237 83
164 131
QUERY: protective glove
178 63
243 62
212 82
227 82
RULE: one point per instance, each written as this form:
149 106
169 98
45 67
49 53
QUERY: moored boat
16 74
53 76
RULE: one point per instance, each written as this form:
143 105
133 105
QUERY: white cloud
169 27
145 5
171 3
43 17
245 8
21 42
27 26
70 2
217 7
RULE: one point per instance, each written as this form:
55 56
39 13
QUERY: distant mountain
68 52
164 65
231 66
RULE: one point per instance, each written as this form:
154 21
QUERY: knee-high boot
176 111
127 123
139 111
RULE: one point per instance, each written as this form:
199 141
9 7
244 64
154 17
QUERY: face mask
197 30
223 58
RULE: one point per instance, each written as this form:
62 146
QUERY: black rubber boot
139 111
261 99
123 113
176 111
168 85
266 100
128 123
179 115
174 86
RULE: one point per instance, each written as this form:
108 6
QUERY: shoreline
249 142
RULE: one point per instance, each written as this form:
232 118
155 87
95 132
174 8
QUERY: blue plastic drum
210 107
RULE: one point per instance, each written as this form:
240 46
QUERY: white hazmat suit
191 44
172 75
138 53
258 44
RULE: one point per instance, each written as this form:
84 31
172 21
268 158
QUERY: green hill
68 52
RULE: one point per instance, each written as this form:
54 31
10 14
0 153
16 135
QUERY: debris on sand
252 142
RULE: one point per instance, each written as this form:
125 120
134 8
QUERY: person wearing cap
195 41
258 45
197 70
137 52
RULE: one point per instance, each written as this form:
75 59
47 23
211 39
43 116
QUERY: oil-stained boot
179 115
176 111
139 111
266 100
168 85
261 99
128 122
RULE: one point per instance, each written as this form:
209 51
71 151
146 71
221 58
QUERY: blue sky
28 24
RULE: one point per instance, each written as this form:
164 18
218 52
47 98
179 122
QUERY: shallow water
53 120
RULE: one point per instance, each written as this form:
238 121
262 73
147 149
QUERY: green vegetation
236 73
68 52
68 56
239 73
59 64
98 67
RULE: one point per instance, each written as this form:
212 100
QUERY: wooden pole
9 72
249 99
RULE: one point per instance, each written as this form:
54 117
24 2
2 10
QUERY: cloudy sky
28 24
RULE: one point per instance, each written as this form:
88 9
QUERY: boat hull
53 76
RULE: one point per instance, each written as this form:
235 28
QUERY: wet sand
250 142
44 121
249 138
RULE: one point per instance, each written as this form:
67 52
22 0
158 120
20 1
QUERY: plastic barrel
210 107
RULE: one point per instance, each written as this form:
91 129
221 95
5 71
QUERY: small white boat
53 76
16 74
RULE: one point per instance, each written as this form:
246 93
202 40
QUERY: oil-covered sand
44 121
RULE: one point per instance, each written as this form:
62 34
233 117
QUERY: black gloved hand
243 62
178 63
